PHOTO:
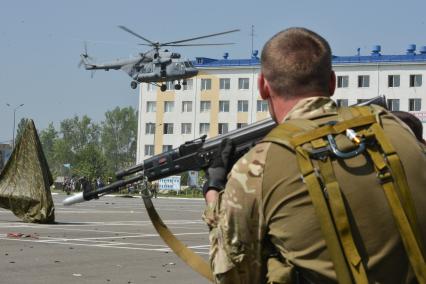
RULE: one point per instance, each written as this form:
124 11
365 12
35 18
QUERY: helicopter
156 66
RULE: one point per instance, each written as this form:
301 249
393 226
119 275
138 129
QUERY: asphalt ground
109 240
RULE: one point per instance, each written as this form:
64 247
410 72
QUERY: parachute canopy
25 180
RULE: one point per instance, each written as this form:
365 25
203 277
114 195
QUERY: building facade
224 96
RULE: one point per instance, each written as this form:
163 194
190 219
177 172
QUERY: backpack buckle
341 154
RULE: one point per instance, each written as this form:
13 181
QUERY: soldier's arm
236 224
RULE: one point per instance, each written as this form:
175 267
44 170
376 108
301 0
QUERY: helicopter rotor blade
200 44
200 37
85 55
136 35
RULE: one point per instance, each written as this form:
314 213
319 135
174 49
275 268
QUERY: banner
169 183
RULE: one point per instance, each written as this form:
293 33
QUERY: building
223 96
5 153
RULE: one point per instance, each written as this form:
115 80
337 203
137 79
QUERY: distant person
154 189
85 184
99 183
413 123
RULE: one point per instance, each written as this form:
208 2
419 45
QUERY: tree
90 162
48 138
78 133
20 129
119 131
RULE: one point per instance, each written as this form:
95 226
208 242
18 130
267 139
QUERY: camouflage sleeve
236 222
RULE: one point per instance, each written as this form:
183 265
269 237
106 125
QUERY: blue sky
40 43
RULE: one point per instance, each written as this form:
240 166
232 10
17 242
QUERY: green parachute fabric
26 179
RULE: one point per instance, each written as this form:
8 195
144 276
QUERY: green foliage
93 150
119 131
90 162
20 129
78 133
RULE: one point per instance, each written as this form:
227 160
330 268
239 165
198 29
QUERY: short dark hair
412 121
297 59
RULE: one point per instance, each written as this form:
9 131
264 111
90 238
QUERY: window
151 106
243 83
206 84
415 80
342 81
170 85
224 83
363 81
167 148
168 128
186 106
223 106
186 128
149 128
393 104
414 104
205 106
149 150
150 87
241 125
223 128
262 105
342 102
188 86
243 106
169 106
204 128
393 81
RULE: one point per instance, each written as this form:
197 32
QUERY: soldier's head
297 61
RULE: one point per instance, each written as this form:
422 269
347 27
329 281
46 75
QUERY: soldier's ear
263 86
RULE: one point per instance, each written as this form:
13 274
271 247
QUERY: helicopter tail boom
85 61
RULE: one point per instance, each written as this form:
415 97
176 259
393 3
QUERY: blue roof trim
376 58
208 62
380 58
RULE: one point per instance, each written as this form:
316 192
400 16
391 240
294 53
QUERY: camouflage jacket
263 224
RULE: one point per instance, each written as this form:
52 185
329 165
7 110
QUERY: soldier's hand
217 173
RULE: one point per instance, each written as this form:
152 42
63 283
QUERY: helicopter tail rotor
85 58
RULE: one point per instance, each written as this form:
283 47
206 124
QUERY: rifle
194 155
197 154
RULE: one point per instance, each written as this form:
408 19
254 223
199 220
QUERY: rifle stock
193 155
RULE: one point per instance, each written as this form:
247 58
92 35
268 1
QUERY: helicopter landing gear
133 85
163 87
178 86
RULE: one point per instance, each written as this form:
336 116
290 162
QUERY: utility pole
14 122
252 39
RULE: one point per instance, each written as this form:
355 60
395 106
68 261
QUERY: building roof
375 57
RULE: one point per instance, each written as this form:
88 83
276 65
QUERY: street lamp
14 120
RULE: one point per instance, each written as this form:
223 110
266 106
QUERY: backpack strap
394 183
326 194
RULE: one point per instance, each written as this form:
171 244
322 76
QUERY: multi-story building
224 96
5 152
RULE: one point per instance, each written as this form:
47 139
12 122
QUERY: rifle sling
187 255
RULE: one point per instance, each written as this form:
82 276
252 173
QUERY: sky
40 43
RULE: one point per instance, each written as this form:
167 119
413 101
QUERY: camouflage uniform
264 228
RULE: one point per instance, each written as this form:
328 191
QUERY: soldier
315 201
